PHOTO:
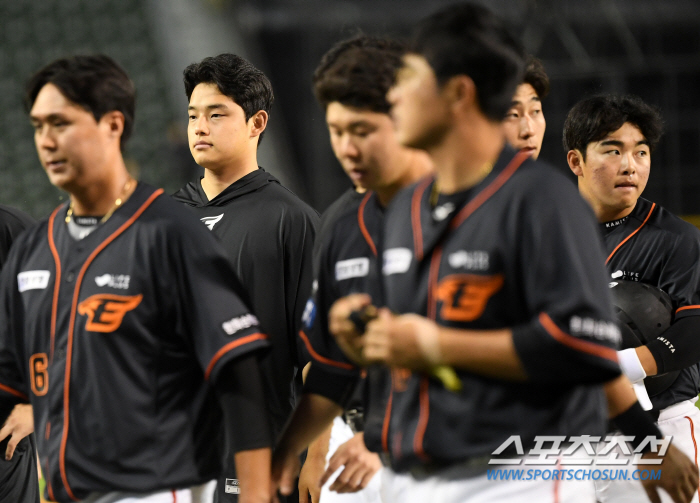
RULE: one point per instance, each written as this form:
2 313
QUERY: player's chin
63 181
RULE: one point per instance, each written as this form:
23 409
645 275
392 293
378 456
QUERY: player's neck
415 164
219 178
99 196
466 155
606 214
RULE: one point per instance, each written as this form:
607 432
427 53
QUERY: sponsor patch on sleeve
239 323
309 315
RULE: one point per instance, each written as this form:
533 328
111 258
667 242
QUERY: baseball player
506 328
351 83
524 123
18 469
609 140
524 127
123 324
267 231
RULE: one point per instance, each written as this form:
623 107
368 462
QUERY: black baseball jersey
18 477
268 234
113 338
654 246
345 262
12 223
518 250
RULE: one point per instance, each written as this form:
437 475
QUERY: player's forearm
620 395
318 448
489 353
675 349
311 418
253 471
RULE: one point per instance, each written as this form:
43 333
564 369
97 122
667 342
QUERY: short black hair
536 77
236 78
358 72
592 119
468 39
94 82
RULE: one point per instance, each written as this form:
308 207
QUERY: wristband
635 422
630 365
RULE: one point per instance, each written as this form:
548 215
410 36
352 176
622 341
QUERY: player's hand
311 472
19 424
343 329
395 340
284 472
360 466
679 477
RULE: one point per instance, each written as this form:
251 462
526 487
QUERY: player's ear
258 123
576 162
114 121
460 90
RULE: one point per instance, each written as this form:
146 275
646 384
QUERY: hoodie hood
193 195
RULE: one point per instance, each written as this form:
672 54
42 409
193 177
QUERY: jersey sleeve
298 251
209 308
680 276
572 337
13 385
12 224
331 374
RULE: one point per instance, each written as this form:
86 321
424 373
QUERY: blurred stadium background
645 47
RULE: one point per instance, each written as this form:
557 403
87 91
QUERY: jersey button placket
70 277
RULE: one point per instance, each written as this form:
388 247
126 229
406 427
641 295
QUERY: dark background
647 47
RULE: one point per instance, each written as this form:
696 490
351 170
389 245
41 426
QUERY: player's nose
628 164
348 147
526 129
44 139
200 126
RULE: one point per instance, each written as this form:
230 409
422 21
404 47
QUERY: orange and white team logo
464 296
105 311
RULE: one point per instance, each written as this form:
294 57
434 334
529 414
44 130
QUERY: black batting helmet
644 312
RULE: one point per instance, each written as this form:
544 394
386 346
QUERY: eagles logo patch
464 296
106 311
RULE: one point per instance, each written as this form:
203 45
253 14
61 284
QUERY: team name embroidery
615 223
241 322
211 221
351 268
396 261
470 260
464 296
120 281
105 311
33 280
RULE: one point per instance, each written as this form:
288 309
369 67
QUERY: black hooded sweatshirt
268 233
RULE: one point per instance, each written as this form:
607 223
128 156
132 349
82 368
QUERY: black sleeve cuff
334 386
562 358
637 423
242 398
